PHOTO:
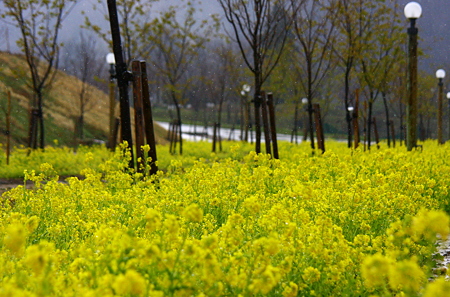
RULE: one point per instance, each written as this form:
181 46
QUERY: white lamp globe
440 73
448 95
110 59
413 10
305 100
246 88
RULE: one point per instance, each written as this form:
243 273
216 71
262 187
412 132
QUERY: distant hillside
60 106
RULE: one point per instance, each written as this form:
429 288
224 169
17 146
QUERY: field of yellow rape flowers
345 223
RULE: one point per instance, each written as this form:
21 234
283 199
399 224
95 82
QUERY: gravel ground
443 264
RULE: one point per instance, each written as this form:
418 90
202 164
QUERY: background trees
260 28
85 61
288 47
314 35
172 45
381 43
39 22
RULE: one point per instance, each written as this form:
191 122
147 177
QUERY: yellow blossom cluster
345 223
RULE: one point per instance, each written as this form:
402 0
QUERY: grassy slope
60 106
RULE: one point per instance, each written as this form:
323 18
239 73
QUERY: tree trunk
369 123
257 101
388 121
81 126
41 120
311 108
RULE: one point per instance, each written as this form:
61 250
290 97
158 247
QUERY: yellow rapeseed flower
290 290
38 256
311 275
438 288
375 269
130 283
406 275
193 213
153 220
15 238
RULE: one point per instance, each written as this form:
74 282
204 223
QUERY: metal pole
440 95
123 77
411 107
448 116
8 128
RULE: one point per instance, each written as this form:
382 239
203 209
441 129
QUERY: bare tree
315 34
261 28
382 51
225 80
39 23
174 43
83 60
348 45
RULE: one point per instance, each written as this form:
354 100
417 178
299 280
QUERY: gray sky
433 27
72 23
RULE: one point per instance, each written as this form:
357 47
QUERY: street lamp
412 11
440 74
110 59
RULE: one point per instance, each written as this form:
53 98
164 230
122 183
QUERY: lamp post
448 97
440 74
110 59
412 11
123 78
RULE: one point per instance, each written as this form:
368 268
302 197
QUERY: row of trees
319 50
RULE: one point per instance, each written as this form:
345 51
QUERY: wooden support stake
138 114
148 118
273 127
319 127
265 123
